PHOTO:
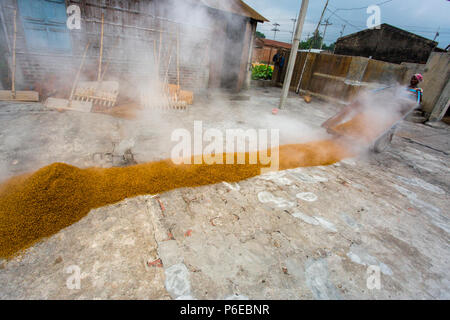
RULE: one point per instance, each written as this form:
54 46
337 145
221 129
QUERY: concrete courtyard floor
306 233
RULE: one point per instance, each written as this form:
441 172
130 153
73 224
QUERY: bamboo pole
109 61
178 64
101 53
154 51
159 49
13 71
166 77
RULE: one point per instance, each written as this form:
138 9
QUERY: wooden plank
64 104
7 95
99 74
13 86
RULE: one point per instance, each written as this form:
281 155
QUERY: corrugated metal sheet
238 7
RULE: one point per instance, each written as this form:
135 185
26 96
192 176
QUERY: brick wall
263 55
128 52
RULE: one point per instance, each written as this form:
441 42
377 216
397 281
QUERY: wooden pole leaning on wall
109 61
178 64
159 48
13 95
154 52
13 71
99 76
166 76
78 104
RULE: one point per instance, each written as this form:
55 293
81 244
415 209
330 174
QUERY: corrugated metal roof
238 7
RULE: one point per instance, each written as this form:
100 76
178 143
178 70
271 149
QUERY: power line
275 29
268 30
402 25
333 13
361 8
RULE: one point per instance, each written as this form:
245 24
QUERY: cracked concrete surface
305 233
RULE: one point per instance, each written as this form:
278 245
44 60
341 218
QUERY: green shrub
262 72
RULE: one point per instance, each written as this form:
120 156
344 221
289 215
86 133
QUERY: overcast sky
423 17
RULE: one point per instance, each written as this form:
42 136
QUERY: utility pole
310 46
326 24
293 55
293 28
342 31
437 34
275 30
340 36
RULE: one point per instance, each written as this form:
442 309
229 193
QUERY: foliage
316 39
260 35
262 72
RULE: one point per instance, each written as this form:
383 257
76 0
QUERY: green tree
316 40
330 47
260 35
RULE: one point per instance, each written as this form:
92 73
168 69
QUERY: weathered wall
235 37
388 44
384 72
412 68
4 56
436 77
131 37
244 68
441 108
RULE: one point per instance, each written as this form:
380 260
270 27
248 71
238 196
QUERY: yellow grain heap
38 205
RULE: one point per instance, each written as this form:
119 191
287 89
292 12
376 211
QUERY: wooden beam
7 95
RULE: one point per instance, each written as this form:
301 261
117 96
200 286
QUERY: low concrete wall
442 105
337 76
340 77
412 68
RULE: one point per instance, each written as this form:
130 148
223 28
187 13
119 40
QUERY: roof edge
386 25
255 15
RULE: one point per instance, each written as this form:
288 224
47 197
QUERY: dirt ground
305 233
